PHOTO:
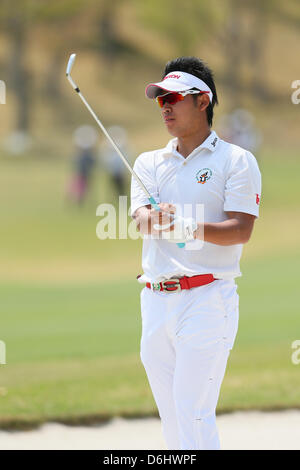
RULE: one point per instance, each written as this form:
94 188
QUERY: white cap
177 81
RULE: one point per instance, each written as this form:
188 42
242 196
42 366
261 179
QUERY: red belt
185 282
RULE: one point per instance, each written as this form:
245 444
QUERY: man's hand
164 219
183 230
165 224
175 229
146 217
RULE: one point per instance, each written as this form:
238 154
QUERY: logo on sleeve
257 199
203 175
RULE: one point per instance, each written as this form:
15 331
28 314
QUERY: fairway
70 313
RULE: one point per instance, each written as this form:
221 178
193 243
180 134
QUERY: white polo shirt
221 176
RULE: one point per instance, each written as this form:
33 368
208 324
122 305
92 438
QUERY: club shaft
123 158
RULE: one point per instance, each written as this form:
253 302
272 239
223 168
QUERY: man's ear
203 101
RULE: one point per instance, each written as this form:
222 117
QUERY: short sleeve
243 185
145 170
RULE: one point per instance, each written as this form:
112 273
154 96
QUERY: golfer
208 191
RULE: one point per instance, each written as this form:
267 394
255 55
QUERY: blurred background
69 302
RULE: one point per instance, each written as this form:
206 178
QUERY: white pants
186 339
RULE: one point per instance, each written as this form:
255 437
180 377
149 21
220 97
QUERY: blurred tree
287 12
244 40
62 36
231 38
107 38
183 23
14 22
17 20
95 26
255 52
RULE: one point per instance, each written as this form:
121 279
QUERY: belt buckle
155 286
171 283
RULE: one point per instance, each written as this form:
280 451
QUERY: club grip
157 208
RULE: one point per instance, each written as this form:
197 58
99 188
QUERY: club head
70 64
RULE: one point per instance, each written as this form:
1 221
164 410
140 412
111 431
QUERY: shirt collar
210 143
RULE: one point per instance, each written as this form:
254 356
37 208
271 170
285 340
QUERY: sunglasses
173 98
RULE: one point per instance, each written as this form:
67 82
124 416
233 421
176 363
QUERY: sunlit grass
70 314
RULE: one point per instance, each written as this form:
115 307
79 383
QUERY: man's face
185 117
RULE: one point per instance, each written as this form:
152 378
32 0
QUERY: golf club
125 161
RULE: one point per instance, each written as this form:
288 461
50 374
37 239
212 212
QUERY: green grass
73 352
72 334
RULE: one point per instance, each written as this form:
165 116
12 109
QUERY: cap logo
173 75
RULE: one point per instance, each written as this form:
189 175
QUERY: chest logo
203 175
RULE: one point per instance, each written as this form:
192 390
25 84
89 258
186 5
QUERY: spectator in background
111 161
84 162
239 128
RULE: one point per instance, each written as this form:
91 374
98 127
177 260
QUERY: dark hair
196 67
